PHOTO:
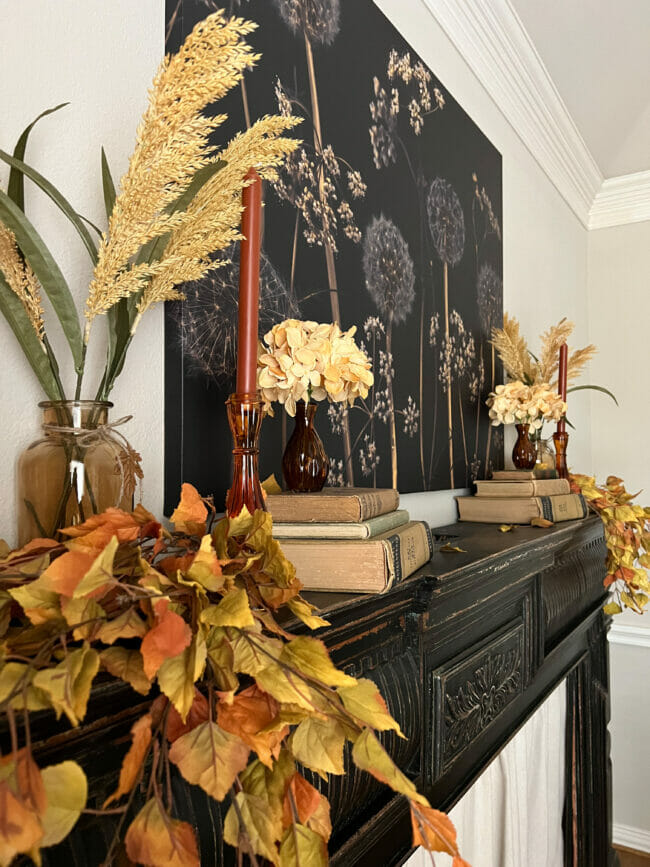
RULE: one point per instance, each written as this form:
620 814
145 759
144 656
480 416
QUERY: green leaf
18 320
47 271
16 186
91 224
108 186
593 388
58 198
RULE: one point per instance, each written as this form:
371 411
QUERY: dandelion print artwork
387 217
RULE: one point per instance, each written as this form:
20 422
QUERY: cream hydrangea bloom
311 361
516 403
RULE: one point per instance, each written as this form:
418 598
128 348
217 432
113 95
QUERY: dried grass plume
21 280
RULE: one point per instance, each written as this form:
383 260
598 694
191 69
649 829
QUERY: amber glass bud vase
78 468
561 440
523 454
305 464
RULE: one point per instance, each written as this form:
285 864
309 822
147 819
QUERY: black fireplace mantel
464 652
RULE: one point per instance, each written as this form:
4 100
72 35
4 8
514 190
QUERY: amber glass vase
305 464
79 467
524 453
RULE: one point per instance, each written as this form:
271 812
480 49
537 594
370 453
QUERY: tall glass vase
79 467
305 464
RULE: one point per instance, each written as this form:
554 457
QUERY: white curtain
512 815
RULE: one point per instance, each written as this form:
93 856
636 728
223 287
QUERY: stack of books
517 496
349 539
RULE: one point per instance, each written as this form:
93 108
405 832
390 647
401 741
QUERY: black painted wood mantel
464 652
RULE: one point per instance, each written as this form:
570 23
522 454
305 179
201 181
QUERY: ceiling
598 54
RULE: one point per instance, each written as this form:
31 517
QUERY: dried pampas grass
21 280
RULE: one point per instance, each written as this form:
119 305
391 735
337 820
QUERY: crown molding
625 199
494 43
636 636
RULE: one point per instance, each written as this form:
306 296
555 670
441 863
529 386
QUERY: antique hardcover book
333 505
364 530
361 566
520 510
527 488
523 475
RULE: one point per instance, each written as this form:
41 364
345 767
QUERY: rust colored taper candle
245 407
561 437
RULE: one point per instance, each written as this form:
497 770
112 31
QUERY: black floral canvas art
387 217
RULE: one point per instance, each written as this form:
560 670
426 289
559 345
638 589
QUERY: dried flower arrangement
516 403
179 203
312 361
238 705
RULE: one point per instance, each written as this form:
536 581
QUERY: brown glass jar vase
78 468
524 453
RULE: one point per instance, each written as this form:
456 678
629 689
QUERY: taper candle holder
245 412
561 439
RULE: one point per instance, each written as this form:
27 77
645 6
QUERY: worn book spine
356 566
531 488
523 475
333 505
520 510
365 530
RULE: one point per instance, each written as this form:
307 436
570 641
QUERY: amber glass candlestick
245 413
561 439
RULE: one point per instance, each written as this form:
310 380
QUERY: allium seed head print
388 269
319 19
446 221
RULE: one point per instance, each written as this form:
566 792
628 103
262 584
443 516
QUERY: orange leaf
29 782
460 862
64 573
20 827
132 762
210 757
171 565
98 530
155 839
249 712
433 830
169 637
198 713
190 514
306 800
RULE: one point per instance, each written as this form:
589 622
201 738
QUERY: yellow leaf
644 560
177 676
221 656
286 687
233 610
68 684
318 744
369 755
541 522
67 791
129 624
132 762
303 610
310 656
364 701
612 608
624 513
448 548
270 485
38 601
210 757
205 568
128 666
241 525
100 575
252 651
14 673
157 840
260 827
433 830
85 611
506 528
302 847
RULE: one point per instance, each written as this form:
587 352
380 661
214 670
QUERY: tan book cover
529 488
513 475
521 510
365 530
360 566
333 505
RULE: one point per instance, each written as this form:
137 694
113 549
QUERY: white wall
619 312
101 57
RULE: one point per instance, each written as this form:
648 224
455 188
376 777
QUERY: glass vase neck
79 414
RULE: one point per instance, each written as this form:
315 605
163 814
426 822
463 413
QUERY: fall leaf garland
242 705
